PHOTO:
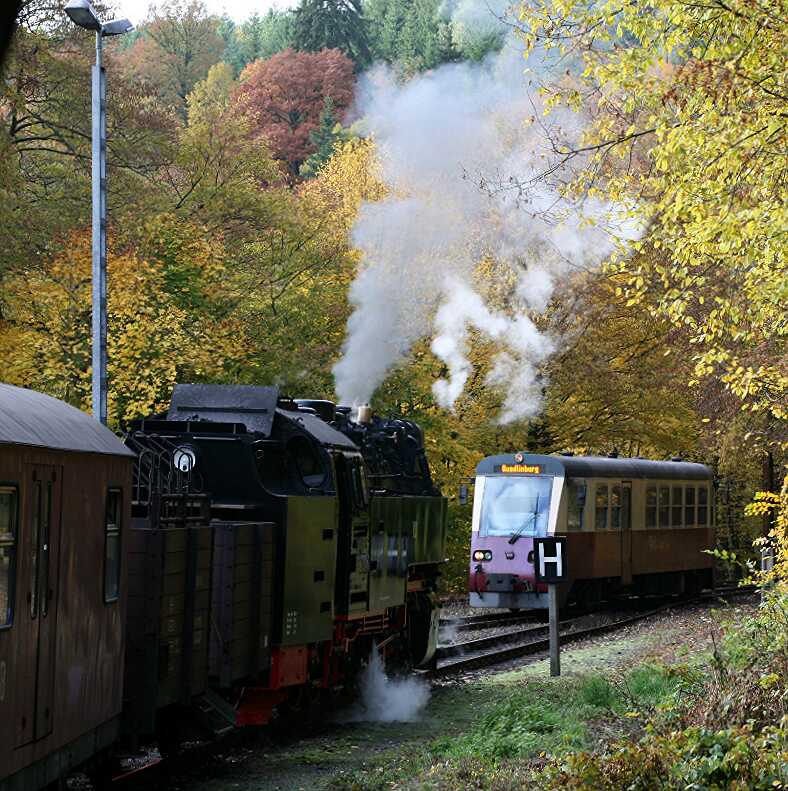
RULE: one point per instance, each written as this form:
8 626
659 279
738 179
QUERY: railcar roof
31 418
600 467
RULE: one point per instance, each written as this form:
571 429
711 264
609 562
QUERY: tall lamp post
82 13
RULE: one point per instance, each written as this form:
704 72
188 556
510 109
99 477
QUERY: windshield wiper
517 533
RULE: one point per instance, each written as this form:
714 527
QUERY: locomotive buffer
550 567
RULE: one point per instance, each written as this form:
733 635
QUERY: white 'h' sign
543 559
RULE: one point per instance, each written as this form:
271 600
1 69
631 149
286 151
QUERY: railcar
65 495
273 542
630 525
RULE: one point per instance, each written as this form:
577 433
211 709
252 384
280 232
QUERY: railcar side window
8 533
46 519
664 506
615 507
112 545
577 498
689 506
676 506
651 506
703 510
600 522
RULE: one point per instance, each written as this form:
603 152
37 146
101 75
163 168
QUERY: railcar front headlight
482 554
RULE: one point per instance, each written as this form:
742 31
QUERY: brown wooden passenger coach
65 484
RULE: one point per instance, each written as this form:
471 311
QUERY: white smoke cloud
437 134
385 699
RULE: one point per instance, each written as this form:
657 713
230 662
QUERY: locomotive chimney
364 414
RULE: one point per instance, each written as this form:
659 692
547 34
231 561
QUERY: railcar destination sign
531 469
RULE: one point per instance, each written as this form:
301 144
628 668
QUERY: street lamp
82 13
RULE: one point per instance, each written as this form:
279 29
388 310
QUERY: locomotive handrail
161 486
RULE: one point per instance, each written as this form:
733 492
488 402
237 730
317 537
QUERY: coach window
615 507
703 506
664 506
676 506
651 506
689 506
8 533
112 545
35 529
600 523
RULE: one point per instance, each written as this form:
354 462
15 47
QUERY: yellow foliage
689 110
775 506
154 339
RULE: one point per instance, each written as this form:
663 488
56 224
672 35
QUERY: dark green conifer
324 138
332 24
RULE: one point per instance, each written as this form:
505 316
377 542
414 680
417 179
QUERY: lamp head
82 13
117 27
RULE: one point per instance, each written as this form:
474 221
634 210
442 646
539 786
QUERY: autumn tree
689 107
295 275
284 97
180 42
45 136
167 321
332 24
613 384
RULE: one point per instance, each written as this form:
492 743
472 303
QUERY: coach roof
599 467
31 418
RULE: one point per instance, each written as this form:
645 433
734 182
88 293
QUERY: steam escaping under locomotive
242 551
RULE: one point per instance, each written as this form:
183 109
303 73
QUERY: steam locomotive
240 550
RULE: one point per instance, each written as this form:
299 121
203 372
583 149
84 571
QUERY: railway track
474 654
472 622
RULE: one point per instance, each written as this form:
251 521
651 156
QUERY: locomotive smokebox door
550 560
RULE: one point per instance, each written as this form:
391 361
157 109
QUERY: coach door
626 533
40 543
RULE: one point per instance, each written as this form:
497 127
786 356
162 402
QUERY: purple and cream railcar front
516 499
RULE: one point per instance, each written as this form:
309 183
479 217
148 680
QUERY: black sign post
550 567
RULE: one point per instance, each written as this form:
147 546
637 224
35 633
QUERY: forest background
237 169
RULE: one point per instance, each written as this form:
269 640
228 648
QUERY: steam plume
420 246
388 700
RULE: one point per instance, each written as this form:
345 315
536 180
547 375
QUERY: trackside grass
516 720
717 720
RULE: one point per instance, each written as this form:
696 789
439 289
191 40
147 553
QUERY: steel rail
469 622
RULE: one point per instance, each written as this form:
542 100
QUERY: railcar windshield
516 506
